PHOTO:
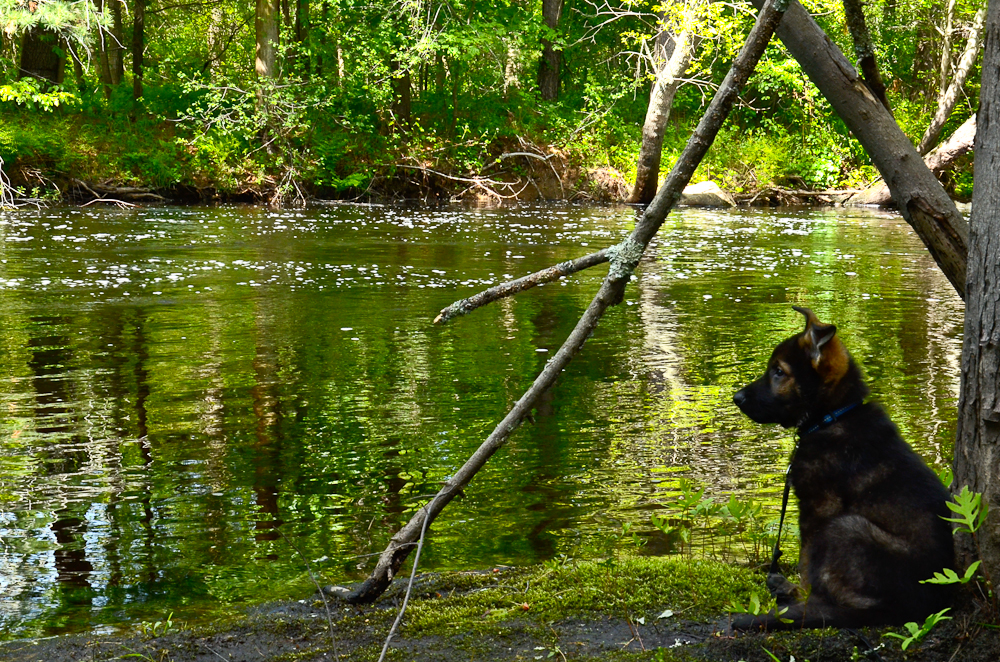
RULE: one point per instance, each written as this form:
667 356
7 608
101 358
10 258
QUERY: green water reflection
188 393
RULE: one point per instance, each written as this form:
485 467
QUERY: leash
829 419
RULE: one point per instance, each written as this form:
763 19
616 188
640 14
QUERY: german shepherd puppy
870 510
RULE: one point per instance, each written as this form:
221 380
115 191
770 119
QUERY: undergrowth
224 143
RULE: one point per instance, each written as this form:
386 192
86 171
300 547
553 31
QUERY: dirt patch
658 609
300 631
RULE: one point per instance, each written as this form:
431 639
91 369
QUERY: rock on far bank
706 194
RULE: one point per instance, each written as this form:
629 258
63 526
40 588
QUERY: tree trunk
40 57
266 26
81 82
864 50
960 143
939 160
138 46
948 100
551 62
103 55
301 20
116 46
977 445
922 200
661 99
216 41
626 258
401 94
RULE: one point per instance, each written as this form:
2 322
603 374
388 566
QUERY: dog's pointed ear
815 337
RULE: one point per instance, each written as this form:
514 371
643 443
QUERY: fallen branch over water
466 306
115 194
624 260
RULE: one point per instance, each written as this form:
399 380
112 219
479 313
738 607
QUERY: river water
196 402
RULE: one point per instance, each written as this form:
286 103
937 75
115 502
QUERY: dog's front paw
743 623
783 591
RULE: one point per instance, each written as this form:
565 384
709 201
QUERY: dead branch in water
116 193
624 259
466 306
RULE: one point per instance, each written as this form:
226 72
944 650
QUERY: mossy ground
615 610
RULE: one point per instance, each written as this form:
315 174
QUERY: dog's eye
778 372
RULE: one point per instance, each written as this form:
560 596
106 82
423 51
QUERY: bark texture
661 99
864 50
625 258
401 94
945 71
922 200
266 27
551 62
977 446
138 46
116 46
947 102
39 56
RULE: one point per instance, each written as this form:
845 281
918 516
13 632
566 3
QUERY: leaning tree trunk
661 99
948 100
40 55
922 200
551 62
626 257
977 446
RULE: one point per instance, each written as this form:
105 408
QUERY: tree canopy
351 90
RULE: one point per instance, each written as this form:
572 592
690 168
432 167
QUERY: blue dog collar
829 419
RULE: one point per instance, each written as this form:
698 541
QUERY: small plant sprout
755 607
157 628
970 509
791 658
918 632
949 576
628 533
945 474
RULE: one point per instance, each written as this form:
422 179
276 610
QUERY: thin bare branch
503 290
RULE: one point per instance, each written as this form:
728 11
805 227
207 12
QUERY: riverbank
626 608
92 156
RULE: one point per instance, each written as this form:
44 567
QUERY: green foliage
158 628
971 511
741 523
30 93
916 633
66 18
755 607
333 122
949 576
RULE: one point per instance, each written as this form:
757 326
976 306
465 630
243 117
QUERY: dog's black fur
870 510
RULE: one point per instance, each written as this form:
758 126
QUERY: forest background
283 100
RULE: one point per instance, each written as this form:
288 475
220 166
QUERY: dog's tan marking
833 362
